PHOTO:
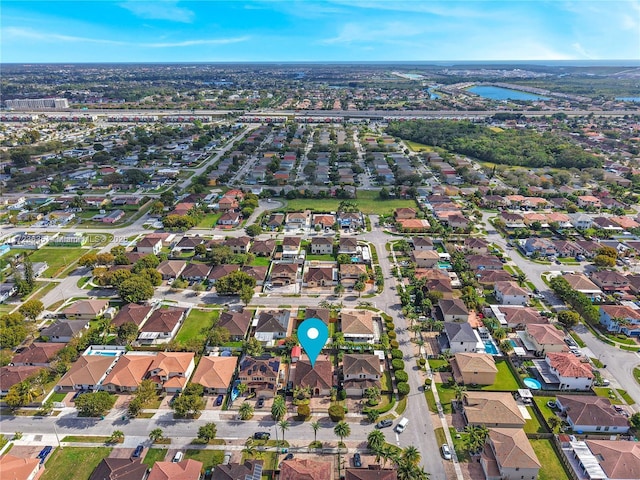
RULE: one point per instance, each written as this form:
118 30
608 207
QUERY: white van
402 424
177 457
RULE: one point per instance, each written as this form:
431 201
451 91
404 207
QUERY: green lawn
209 220
74 463
385 382
431 401
435 364
268 457
446 395
607 392
58 258
533 425
504 380
154 455
261 262
541 402
418 147
322 258
209 458
551 468
627 398
196 325
85 438
367 201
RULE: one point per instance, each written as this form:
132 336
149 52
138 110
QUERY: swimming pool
104 353
532 383
444 265
513 343
489 347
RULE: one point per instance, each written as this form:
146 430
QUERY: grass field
209 220
154 455
367 201
74 463
85 439
504 380
58 258
606 392
261 262
196 325
541 402
551 468
418 147
533 425
209 458
446 396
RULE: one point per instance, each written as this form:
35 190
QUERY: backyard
196 325
209 220
551 468
209 458
74 463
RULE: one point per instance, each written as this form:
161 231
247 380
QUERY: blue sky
329 30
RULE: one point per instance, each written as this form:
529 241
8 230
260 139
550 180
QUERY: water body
499 93
628 99
412 76
432 96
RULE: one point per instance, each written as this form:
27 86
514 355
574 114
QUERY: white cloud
23 33
382 33
159 10
580 49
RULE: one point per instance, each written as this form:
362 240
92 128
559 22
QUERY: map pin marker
313 335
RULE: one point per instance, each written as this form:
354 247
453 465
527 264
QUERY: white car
446 451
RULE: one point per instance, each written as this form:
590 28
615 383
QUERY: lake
628 99
499 93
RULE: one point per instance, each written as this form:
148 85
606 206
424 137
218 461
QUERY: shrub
390 326
394 344
403 388
304 411
397 364
422 362
336 412
427 382
342 394
392 335
401 376
395 353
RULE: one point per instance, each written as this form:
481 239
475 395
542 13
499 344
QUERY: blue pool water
499 93
532 383
513 343
489 347
103 353
444 265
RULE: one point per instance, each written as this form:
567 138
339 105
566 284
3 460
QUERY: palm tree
373 415
315 426
26 391
284 426
116 437
506 346
458 391
242 388
476 437
372 394
339 290
279 408
410 455
521 278
250 450
155 434
387 452
375 440
500 333
342 430
245 411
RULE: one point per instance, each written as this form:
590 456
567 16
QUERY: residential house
132 313
322 245
12 375
589 201
149 244
539 246
591 414
291 248
512 220
582 284
353 220
86 373
257 273
120 469
414 225
237 323
517 318
477 245
171 269
297 469
453 310
250 469
323 276
128 372
263 248
425 258
113 217
361 371
297 220
474 368
62 331
484 262
618 460
321 313
18 468
606 224
350 273
215 374
610 281
571 372
404 213
37 354
238 245
566 248
422 243
545 338
490 277
324 220
508 454
230 219
318 378
359 326
86 309
162 325
220 271
196 272
371 473
227 204
188 244
7 290
261 375
184 470
348 246
492 409
284 274
272 325
581 221
510 293
620 319
170 371
460 337
276 220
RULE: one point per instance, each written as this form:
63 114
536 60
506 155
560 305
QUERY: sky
313 30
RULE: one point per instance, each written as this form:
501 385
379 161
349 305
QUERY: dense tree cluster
523 147
577 300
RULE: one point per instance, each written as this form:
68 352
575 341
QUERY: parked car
138 451
261 436
177 457
551 404
289 456
260 403
384 423
357 461
219 400
446 451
